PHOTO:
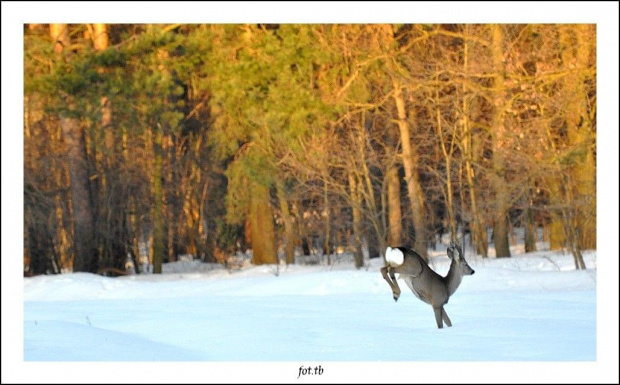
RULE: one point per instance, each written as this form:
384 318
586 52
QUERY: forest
158 141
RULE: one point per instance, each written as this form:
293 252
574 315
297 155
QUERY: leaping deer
426 284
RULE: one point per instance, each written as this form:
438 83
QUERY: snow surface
528 308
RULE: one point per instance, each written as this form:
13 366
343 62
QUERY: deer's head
455 253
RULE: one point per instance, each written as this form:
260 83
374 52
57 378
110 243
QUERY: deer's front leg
392 282
438 317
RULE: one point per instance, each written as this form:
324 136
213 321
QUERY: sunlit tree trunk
115 216
577 42
101 42
557 238
160 146
394 208
262 227
376 233
206 226
190 214
106 198
447 156
479 232
328 218
416 198
498 132
158 206
171 208
356 201
554 225
86 256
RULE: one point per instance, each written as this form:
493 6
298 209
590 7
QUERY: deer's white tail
394 257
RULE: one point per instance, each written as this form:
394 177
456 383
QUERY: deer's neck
453 279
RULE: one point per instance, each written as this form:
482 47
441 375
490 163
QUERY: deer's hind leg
392 282
445 317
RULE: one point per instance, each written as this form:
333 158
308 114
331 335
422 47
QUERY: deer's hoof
395 298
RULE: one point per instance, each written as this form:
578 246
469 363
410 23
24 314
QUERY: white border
14 15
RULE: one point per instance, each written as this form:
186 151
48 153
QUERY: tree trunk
416 198
394 208
577 42
530 231
263 232
374 246
554 225
101 42
302 232
571 229
85 251
356 201
557 238
479 231
116 243
158 223
37 241
498 177
172 206
447 155
86 256
61 239
328 225
289 226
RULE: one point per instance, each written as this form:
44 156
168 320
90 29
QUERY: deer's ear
451 252
460 251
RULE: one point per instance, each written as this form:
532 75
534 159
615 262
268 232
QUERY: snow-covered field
529 308
514 310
